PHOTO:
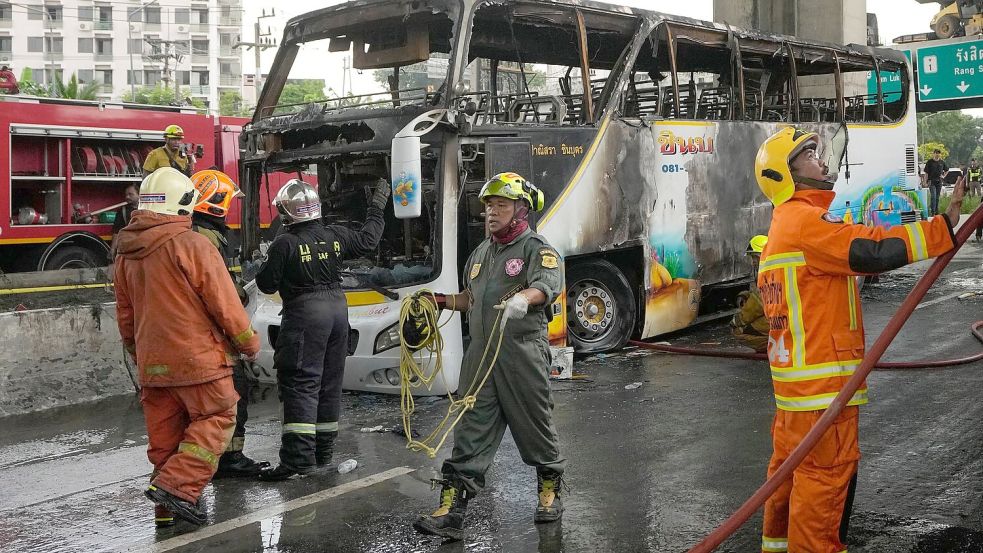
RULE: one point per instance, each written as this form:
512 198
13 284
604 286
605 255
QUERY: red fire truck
69 160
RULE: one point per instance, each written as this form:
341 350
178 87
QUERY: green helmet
513 187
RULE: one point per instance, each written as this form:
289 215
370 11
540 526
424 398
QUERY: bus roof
354 13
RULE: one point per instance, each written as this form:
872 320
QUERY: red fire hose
873 355
887 365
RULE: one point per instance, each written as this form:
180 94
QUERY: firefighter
181 321
216 191
808 285
518 272
304 265
174 153
975 174
749 323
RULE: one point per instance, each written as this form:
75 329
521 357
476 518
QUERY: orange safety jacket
807 281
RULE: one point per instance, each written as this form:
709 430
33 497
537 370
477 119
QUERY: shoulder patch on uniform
475 269
830 218
514 266
550 262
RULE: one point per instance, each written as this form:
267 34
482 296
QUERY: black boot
324 447
162 517
185 510
234 464
278 474
448 520
550 507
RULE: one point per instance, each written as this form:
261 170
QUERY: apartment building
125 44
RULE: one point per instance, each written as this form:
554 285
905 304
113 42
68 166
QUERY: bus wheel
600 306
72 257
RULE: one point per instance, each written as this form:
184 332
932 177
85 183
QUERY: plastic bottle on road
347 466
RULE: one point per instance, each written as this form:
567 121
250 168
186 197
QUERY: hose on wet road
784 472
882 365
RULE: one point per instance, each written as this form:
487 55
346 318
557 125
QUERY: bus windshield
367 60
347 79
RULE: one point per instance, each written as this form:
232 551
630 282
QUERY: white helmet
297 202
169 192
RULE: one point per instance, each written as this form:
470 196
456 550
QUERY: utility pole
261 41
129 36
163 50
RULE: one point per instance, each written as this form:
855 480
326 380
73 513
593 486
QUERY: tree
413 76
72 89
925 150
230 103
302 91
960 133
161 96
28 86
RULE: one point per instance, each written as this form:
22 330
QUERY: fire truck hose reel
784 472
419 330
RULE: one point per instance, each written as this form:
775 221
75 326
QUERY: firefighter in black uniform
303 264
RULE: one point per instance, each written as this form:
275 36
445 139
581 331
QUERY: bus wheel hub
594 309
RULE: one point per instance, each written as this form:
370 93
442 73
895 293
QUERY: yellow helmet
173 131
757 244
513 187
771 165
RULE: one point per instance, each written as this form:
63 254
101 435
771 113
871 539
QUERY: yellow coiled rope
413 375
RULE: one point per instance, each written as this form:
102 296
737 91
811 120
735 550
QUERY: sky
895 17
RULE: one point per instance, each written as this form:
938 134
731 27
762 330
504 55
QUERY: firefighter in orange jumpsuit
180 318
807 280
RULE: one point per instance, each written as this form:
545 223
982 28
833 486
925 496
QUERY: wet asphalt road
652 468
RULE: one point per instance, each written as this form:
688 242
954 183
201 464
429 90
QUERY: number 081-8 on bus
640 128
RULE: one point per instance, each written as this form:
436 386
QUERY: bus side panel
884 188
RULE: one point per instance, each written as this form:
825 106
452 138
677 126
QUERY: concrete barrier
60 356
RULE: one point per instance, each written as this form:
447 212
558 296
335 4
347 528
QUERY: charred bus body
641 129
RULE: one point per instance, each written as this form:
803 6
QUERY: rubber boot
162 517
234 464
324 447
550 507
185 510
448 520
278 474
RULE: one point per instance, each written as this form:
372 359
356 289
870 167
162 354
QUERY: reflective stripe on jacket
807 284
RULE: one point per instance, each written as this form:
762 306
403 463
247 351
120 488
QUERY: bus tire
600 306
72 257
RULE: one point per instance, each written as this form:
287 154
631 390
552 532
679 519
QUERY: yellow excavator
957 17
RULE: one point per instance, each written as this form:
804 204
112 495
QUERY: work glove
381 196
515 307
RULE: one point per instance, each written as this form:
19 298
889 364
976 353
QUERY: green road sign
950 72
890 85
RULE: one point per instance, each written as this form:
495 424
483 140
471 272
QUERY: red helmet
216 190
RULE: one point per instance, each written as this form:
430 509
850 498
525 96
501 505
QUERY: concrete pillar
835 21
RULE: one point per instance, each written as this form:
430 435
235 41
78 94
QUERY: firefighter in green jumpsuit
515 273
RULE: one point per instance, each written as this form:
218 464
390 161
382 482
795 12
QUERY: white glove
515 307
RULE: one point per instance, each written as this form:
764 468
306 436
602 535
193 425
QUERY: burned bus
641 128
